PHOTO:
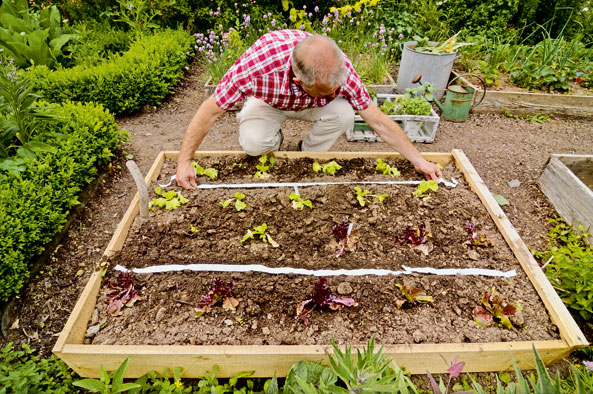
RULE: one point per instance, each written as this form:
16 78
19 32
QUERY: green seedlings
298 203
169 200
411 296
363 195
193 229
329 168
265 163
259 231
211 173
386 169
424 187
239 204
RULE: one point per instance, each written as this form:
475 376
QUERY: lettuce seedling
424 187
259 231
386 169
475 239
218 291
411 296
416 238
239 204
298 203
169 200
121 293
320 299
344 238
494 309
211 173
265 163
361 196
329 168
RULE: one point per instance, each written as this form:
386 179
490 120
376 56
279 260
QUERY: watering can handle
483 83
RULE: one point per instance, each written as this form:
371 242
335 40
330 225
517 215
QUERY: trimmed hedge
34 204
144 74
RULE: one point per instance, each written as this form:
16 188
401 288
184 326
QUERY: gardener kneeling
293 74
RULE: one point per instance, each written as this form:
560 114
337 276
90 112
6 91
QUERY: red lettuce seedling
344 239
218 291
320 299
121 292
412 296
494 310
416 238
475 239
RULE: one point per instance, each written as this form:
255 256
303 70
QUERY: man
293 74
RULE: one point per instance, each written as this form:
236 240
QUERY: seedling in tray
211 173
298 203
239 204
259 231
411 296
475 239
329 168
265 163
121 293
494 309
416 238
424 187
386 169
321 299
218 291
362 195
345 237
169 200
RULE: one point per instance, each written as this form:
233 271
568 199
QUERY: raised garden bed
567 181
415 337
418 128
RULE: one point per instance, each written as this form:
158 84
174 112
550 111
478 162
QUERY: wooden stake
141 185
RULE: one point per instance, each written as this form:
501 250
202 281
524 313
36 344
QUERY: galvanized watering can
459 100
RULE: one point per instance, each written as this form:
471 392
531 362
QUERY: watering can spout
438 103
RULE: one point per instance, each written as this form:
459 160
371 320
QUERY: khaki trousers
259 125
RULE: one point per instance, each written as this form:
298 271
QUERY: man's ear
297 81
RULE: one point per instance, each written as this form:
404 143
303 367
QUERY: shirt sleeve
355 92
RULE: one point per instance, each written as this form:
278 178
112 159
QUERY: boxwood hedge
34 204
144 74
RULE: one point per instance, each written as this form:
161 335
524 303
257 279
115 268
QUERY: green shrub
480 17
143 75
23 371
35 202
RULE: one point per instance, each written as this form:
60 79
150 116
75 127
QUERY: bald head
317 59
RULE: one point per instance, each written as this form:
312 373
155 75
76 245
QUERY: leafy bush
483 17
23 371
143 75
35 201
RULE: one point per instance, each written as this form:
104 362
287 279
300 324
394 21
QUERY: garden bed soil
267 303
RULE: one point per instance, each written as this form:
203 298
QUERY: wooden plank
560 316
437 157
76 326
121 232
269 360
570 196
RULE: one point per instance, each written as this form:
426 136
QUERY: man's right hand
186 176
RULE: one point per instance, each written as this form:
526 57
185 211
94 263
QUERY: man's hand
430 170
186 176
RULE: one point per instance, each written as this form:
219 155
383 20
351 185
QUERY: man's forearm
392 134
197 129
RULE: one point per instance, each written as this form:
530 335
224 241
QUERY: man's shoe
300 146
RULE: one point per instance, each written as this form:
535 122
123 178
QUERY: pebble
344 288
472 254
518 319
95 317
92 331
160 314
418 336
514 183
265 331
228 322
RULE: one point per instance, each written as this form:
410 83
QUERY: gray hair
318 58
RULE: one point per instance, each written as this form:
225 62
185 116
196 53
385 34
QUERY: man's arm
391 133
195 133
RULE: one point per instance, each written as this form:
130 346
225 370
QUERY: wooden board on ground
267 360
566 181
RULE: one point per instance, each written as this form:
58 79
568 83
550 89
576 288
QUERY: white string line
453 183
327 272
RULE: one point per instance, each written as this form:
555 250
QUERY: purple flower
400 36
588 365
316 9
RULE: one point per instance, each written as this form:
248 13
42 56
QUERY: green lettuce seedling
362 195
259 231
298 203
239 204
386 169
329 168
265 163
169 200
211 173
424 187
411 296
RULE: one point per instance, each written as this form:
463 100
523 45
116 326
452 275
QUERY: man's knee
340 113
256 143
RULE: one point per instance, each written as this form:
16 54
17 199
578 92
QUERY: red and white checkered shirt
264 72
